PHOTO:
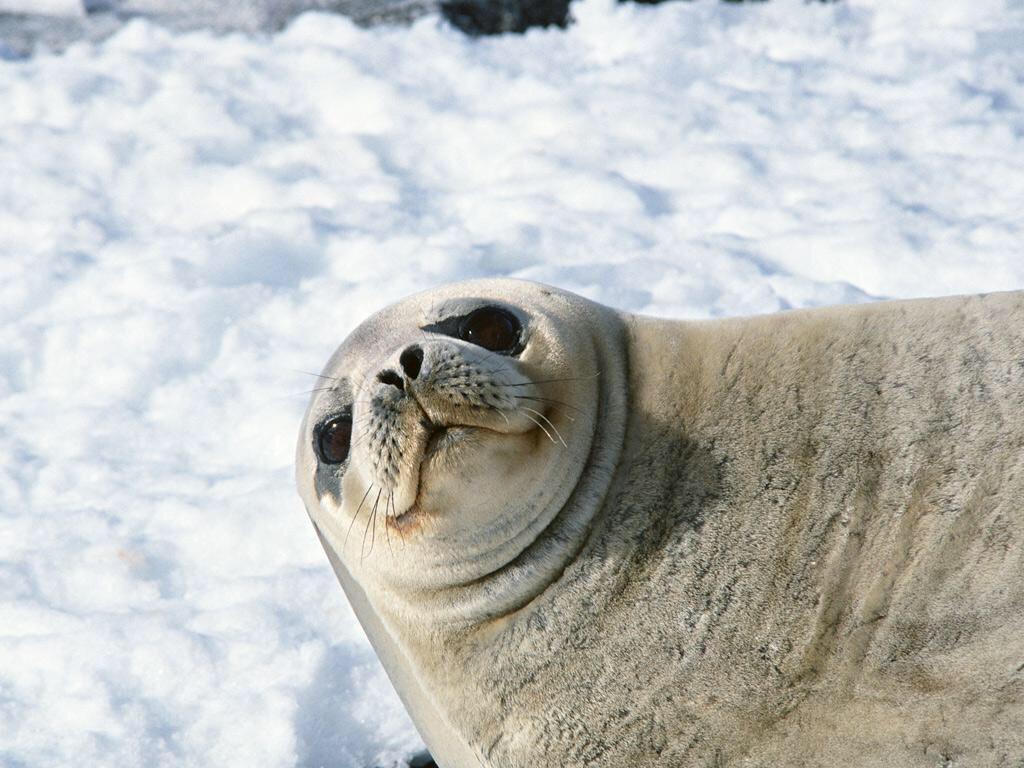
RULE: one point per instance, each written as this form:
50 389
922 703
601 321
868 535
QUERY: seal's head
458 431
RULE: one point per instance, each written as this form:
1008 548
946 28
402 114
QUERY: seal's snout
411 361
387 376
437 403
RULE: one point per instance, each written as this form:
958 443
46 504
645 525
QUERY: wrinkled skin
786 540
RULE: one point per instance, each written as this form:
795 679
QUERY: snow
189 221
72 8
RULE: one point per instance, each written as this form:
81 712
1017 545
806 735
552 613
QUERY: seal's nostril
392 378
411 360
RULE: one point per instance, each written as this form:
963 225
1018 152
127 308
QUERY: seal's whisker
552 402
552 381
541 426
493 371
372 519
541 415
373 532
373 529
311 391
330 389
355 515
365 435
501 413
394 516
387 535
318 375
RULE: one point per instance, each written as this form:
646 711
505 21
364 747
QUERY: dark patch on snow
422 760
493 17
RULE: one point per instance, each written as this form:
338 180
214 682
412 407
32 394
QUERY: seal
580 537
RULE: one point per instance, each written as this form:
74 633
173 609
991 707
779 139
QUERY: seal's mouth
440 438
443 437
437 436
443 444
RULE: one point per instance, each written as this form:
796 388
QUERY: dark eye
491 328
333 439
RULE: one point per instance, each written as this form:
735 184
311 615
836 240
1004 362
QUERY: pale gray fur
809 552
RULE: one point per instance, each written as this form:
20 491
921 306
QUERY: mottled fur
810 553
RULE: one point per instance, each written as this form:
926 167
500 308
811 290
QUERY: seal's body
786 540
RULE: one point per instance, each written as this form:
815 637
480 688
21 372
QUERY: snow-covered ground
187 222
29 25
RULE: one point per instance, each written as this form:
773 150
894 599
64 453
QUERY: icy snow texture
187 221
30 25
44 7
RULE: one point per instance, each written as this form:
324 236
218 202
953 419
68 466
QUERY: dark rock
21 33
493 17
422 760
